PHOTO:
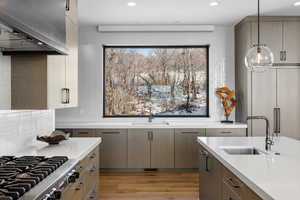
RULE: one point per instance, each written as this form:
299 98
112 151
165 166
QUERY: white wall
19 129
90 66
5 86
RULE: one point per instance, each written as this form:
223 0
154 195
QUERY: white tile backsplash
20 128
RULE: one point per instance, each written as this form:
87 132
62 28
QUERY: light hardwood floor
148 186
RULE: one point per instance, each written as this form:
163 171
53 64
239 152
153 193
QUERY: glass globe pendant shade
259 58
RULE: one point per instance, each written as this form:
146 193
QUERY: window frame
207 47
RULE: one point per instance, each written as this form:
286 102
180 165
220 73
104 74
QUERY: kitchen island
240 168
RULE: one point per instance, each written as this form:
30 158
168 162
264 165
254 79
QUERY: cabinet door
210 177
288 102
291 42
271 35
226 132
186 147
139 148
72 63
263 100
113 151
162 148
56 75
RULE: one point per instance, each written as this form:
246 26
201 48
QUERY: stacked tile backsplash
19 129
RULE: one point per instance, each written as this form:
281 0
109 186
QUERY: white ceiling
93 12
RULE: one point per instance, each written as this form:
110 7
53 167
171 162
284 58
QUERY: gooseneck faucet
268 141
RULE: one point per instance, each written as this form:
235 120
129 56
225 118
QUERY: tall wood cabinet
37 80
273 93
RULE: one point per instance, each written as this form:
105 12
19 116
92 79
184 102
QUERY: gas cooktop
18 175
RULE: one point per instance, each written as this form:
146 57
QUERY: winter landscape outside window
164 81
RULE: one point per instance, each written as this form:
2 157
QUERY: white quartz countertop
137 125
272 177
74 148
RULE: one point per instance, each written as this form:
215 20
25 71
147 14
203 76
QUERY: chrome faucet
151 116
269 140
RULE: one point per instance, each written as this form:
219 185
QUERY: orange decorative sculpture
228 100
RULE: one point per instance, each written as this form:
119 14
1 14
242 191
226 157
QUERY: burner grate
19 174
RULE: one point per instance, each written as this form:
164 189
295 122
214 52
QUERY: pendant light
259 58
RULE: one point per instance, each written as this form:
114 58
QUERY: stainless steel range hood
32 27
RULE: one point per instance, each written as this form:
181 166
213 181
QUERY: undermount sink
243 151
150 123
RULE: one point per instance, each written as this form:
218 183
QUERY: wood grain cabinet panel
84 133
271 35
113 148
210 176
226 132
88 183
186 147
139 148
162 148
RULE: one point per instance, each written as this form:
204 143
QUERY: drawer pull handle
83 133
233 184
93 156
226 132
190 133
93 169
111 133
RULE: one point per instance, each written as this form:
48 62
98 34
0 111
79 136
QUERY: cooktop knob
76 174
57 194
72 179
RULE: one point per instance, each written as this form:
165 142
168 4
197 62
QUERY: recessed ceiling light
131 4
214 3
297 3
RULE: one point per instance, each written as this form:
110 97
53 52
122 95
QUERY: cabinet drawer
228 193
233 182
84 133
74 192
226 132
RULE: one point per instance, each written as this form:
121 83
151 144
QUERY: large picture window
165 81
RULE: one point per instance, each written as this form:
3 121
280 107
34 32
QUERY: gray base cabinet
113 149
151 148
139 148
162 148
186 147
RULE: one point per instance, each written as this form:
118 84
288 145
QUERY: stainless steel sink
243 151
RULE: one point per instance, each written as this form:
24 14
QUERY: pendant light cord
258 24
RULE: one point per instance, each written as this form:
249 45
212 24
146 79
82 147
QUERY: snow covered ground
162 103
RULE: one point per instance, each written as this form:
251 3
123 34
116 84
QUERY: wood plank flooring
148 186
